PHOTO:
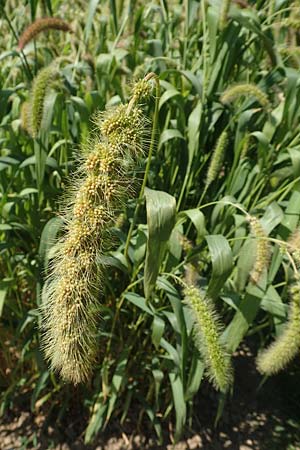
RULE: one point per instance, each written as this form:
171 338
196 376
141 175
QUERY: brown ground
253 419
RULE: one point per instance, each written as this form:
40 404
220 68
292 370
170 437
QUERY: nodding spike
71 310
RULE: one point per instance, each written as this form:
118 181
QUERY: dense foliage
207 252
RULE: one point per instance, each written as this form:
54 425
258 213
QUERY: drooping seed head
207 338
44 24
247 90
286 346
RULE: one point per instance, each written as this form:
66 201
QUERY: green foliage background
147 357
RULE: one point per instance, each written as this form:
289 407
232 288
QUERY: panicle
217 159
207 330
40 87
71 307
286 346
247 90
39 25
262 251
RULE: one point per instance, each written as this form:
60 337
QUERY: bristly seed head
71 310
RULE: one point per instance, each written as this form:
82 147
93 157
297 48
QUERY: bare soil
254 418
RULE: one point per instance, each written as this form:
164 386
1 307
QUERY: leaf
40 385
3 293
179 403
195 376
180 324
90 17
161 208
117 380
158 328
198 219
243 318
221 258
167 135
138 301
48 237
96 420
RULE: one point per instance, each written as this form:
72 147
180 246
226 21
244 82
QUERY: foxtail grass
283 350
262 250
247 90
71 307
40 25
207 330
217 159
40 87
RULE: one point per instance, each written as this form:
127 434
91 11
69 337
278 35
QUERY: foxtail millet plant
43 24
71 308
41 84
207 330
247 90
287 345
217 159
262 251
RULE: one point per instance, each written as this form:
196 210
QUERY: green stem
153 133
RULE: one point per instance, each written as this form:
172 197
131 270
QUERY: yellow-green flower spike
247 90
40 25
217 159
207 338
262 251
71 308
286 346
40 87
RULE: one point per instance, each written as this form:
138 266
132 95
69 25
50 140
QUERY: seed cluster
217 159
71 309
247 90
287 345
43 24
39 90
262 251
207 337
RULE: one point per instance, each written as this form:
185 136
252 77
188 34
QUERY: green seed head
247 90
217 158
286 346
207 338
71 309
